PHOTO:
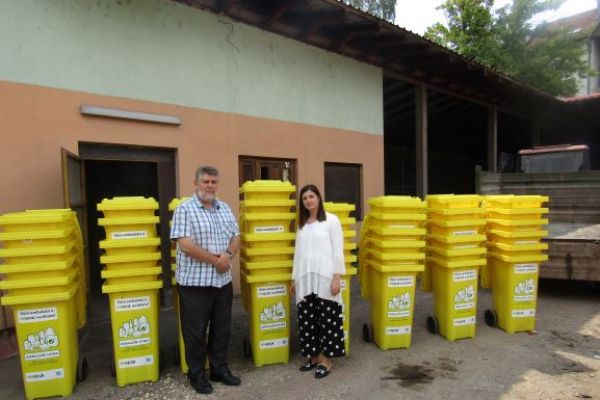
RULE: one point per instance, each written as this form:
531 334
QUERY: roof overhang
336 27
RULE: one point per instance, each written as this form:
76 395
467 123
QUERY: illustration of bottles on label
525 287
401 301
135 327
525 290
465 298
399 306
273 313
42 340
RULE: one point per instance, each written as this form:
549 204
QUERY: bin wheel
82 369
432 324
161 358
111 363
491 318
246 348
366 334
176 355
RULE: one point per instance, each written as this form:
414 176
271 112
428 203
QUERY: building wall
237 90
167 52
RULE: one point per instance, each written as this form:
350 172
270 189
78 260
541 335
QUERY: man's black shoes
202 385
226 377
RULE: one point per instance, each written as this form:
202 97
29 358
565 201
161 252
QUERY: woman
318 266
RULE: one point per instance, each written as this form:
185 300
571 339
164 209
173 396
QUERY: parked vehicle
562 173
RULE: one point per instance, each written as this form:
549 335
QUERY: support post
421 139
492 142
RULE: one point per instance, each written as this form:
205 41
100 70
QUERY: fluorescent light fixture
119 113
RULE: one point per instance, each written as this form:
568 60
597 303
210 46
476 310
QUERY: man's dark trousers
202 308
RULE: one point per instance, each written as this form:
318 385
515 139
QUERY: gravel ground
561 361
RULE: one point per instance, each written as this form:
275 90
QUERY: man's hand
223 262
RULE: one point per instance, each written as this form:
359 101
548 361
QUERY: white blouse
318 255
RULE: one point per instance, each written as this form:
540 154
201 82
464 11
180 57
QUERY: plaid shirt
210 228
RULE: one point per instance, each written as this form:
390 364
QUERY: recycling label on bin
470 232
399 306
45 375
460 276
41 344
464 321
273 317
37 315
136 361
273 343
523 313
271 291
398 330
400 281
129 235
526 268
464 299
269 229
42 355
524 290
132 303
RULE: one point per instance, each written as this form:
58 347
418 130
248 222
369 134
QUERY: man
207 236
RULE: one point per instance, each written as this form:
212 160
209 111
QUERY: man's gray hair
206 169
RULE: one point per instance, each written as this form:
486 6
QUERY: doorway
108 171
255 168
106 179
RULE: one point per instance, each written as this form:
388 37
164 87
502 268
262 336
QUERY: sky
417 15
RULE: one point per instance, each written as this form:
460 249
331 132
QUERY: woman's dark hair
303 211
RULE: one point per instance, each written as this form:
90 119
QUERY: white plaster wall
167 52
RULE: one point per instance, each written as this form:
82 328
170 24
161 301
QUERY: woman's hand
335 285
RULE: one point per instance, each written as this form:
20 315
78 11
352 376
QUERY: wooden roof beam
222 6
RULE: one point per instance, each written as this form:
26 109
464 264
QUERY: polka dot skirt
320 326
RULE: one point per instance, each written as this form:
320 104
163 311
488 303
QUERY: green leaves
549 59
385 9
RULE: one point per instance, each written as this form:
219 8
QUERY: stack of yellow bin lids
392 253
180 350
266 221
515 230
455 252
45 282
132 279
342 211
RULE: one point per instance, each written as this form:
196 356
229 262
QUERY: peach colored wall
35 122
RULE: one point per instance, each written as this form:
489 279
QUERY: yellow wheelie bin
269 318
392 305
456 252
46 326
515 230
134 320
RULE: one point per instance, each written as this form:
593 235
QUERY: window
343 184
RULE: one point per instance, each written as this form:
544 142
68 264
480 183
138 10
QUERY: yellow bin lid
176 202
128 203
453 200
267 186
338 207
46 298
124 243
397 202
131 287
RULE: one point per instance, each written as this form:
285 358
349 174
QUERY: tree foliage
385 9
549 59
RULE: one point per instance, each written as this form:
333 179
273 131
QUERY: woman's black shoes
321 372
308 366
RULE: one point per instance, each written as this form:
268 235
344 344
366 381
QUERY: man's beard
206 197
